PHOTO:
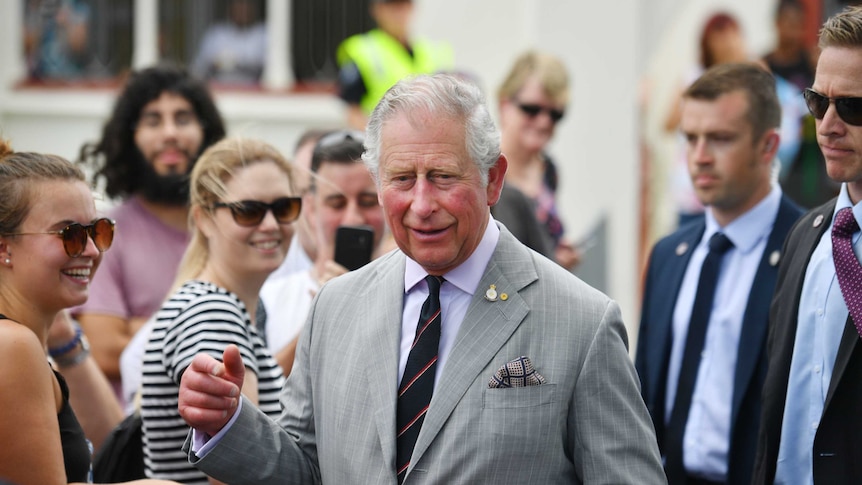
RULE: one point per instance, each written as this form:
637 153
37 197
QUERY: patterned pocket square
516 373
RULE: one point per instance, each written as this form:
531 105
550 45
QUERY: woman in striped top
243 206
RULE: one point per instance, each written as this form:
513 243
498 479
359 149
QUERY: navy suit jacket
668 262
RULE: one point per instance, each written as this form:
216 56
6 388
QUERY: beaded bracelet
64 361
69 346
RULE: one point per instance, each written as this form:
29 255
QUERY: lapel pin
774 258
818 220
491 294
682 248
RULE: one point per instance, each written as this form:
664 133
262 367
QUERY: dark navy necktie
417 384
700 313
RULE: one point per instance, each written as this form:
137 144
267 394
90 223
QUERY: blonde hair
548 69
216 166
18 171
843 29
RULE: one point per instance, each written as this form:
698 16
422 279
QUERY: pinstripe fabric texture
586 424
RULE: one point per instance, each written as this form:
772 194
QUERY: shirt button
817 369
814 425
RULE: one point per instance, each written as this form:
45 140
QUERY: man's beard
171 189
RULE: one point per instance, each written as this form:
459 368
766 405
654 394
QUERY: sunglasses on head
849 109
75 235
251 212
341 136
533 110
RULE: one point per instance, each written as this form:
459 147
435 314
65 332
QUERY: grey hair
442 96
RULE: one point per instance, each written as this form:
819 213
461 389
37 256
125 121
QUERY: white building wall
596 145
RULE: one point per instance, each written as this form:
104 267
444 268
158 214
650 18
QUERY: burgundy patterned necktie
417 383
847 267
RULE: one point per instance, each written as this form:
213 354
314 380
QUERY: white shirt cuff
202 444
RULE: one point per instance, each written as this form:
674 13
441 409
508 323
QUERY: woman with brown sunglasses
243 206
51 244
532 100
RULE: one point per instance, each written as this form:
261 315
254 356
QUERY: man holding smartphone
341 193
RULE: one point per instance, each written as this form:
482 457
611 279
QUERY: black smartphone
353 246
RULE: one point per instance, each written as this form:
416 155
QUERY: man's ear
496 178
771 141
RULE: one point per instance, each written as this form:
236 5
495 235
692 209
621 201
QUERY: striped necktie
417 384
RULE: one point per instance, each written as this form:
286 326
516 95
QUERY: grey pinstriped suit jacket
586 424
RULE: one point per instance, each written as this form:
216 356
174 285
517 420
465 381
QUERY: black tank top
76 447
77 454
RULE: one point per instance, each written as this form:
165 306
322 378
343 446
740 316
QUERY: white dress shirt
455 295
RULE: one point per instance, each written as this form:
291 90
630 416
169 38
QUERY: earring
7 261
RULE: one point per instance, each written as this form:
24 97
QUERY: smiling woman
243 206
47 200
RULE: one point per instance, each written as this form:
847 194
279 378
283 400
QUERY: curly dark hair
115 156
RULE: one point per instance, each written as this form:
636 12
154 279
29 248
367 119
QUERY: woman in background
51 244
532 100
243 205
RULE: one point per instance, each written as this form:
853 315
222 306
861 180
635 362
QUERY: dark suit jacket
837 455
518 213
668 263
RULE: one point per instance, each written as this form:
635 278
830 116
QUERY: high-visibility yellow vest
382 61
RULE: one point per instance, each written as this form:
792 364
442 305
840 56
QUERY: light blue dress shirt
821 320
707 432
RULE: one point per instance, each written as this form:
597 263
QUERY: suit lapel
487 326
787 320
754 321
661 318
382 341
849 342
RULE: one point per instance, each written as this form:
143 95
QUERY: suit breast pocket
519 397
528 422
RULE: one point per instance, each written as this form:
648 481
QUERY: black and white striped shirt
199 318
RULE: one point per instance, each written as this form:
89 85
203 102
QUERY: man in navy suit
701 348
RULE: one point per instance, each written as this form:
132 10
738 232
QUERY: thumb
234 368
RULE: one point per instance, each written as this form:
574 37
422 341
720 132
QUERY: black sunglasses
75 235
251 212
533 110
849 109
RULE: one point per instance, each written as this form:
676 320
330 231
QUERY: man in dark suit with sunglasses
702 365
812 397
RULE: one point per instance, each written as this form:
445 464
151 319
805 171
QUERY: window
319 26
77 40
223 41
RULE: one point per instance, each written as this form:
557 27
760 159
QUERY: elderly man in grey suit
517 372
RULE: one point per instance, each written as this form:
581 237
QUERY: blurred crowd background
272 67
